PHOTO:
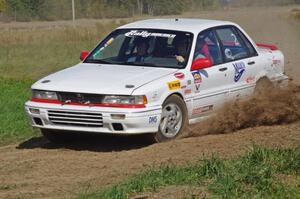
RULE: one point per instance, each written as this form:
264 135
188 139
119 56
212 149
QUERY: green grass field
262 173
27 55
13 123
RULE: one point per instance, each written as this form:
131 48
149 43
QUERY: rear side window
233 46
252 51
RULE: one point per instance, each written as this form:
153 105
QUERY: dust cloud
274 106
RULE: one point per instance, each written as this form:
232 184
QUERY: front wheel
173 121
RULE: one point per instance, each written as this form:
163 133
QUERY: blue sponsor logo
153 120
239 70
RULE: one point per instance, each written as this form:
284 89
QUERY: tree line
49 10
263 2
28 10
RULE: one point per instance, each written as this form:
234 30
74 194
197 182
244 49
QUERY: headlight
50 95
117 99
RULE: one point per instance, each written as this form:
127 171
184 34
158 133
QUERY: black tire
177 102
57 137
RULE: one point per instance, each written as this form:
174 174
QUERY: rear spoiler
270 46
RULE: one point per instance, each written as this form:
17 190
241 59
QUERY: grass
13 122
27 55
33 53
257 174
296 13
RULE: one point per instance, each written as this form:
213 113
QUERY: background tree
2 5
27 10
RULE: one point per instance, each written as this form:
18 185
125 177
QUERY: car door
210 85
241 60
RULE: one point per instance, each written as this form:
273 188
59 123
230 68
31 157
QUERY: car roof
179 24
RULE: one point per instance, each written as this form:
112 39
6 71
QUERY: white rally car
153 76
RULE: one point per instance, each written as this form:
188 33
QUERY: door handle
251 62
222 69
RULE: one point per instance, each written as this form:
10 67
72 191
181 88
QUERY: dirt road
38 169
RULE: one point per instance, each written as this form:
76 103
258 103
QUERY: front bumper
78 118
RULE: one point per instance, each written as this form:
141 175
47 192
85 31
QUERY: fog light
38 121
34 111
117 116
117 126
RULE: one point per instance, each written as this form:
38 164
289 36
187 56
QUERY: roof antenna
176 19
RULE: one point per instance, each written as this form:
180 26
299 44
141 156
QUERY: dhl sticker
174 85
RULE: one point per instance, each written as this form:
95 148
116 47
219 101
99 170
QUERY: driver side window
207 47
232 46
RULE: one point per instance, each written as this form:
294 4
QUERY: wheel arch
180 95
177 94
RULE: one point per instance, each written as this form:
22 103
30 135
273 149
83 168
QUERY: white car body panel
101 78
201 100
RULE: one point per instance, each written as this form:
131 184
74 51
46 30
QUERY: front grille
80 98
72 118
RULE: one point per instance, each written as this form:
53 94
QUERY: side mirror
201 63
83 55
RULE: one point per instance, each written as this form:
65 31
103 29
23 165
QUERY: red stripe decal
79 104
45 101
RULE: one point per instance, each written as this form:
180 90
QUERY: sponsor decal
276 61
200 110
154 96
179 76
197 87
239 70
189 82
109 42
183 87
153 120
174 85
148 34
187 91
250 79
197 77
197 80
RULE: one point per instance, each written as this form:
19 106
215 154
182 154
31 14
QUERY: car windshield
144 47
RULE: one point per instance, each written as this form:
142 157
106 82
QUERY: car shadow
91 142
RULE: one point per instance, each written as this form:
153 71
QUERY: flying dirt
273 106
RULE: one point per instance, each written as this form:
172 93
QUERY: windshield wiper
97 61
138 64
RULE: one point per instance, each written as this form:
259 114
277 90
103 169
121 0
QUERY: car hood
101 78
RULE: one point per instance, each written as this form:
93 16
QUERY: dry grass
295 13
33 53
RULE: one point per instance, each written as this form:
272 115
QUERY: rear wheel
56 136
173 121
